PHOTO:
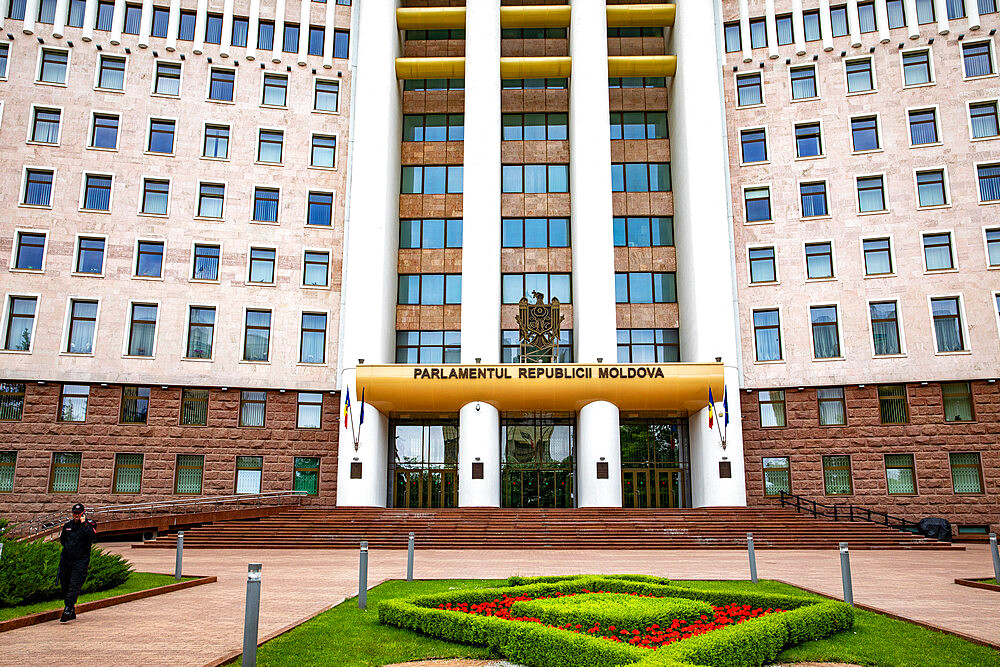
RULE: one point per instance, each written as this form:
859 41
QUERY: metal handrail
39 526
846 512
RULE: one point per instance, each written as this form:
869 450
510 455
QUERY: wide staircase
484 528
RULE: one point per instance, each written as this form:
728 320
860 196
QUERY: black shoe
68 614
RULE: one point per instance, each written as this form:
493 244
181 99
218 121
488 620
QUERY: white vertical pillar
771 27
479 442
371 452
799 28
89 16
853 23
745 31
972 11
826 24
200 19
173 24
598 438
59 26
910 7
882 18
226 42
941 11
304 31
4 8
145 23
279 31
118 22
708 486
328 35
253 27
30 16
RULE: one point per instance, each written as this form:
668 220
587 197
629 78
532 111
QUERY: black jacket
76 539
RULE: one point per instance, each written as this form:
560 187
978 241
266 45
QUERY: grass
348 637
987 581
137 581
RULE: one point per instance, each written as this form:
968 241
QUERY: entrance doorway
538 462
655 464
423 472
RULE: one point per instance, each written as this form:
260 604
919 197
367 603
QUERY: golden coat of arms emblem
539 326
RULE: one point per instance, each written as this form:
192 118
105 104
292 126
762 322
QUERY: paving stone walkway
197 626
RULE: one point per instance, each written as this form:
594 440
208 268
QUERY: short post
251 616
409 558
845 573
179 557
363 577
996 556
753 558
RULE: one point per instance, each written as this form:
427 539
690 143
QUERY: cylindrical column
845 574
853 23
752 555
118 22
599 456
941 11
59 24
251 616
826 25
89 16
363 576
882 19
4 7
226 42
200 19
179 556
279 31
478 455
173 24
145 23
304 31
253 27
328 34
361 467
996 557
912 25
972 10
799 28
409 557
745 41
30 16
771 27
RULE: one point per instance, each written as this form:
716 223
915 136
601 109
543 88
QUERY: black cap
78 508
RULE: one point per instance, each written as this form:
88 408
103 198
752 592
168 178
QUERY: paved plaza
199 625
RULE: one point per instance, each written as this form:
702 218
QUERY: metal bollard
409 558
179 558
845 573
251 616
753 558
363 577
996 556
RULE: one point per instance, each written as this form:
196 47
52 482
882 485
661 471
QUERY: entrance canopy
539 387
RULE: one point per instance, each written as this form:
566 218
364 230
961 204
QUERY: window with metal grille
837 475
306 475
900 475
8 464
11 401
128 473
189 473
777 475
64 476
194 407
892 405
966 472
772 408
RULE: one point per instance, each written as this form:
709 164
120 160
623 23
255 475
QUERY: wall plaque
477 470
602 470
725 469
355 469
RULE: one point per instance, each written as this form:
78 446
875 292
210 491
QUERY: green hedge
623 611
643 578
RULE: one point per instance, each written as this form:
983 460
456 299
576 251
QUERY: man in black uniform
77 537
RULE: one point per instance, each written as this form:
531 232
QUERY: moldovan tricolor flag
711 409
361 419
725 405
347 405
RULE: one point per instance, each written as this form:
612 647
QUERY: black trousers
72 574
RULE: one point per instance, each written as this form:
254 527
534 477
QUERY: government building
241 259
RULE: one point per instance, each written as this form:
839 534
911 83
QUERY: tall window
65 474
96 192
838 20
324 151
786 34
105 132
201 330
892 405
753 146
767 334
20 323
316 36
993 247
814 202
864 134
194 407
161 17
306 475
133 18
983 116
812 25
326 96
4 56
309 410
535 178
253 407
161 136
265 35
860 75
937 252
832 406
45 126
270 146
248 473
966 472
923 127
189 473
956 8
897 14
978 59
168 79
265 204
213 29
749 89
762 267
320 209
878 257
241 30
73 400
155 196
885 327
757 202
866 17
871 194
111 73
947 324
341 43
758 33
135 405
636 232
957 398
142 330
989 182
643 287
900 475
537 232
257 340
825 332
733 42
30 253
428 347
837 475
53 66
772 408
221 84
90 256
8 464
804 83
637 346
82 322
11 401
925 11
149 259
216 142
431 289
290 44
819 260
275 90
188 21
262 265
808 140
312 348
206 262
777 476
987 6
931 188
917 68
316 268
128 473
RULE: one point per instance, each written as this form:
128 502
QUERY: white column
200 19
478 442
882 18
4 8
799 27
771 27
853 23
708 487
59 26
372 236
745 31
598 434
910 7
226 41
972 11
118 22
826 25
173 24
30 16
941 11
328 34
89 16
145 23
279 31
304 31
253 27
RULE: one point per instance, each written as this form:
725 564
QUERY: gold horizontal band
424 18
641 16
642 65
535 68
430 68
538 16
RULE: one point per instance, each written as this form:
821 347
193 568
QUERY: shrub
626 612
643 578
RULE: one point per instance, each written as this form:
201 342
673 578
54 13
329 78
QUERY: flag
347 405
725 405
711 409
361 419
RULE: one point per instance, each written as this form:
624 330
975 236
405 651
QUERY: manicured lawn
349 637
137 581
988 581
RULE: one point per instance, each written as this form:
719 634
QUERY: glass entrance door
655 464
538 462
424 470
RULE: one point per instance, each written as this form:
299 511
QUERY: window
96 192
832 407
270 146
188 21
265 205
825 332
324 151
983 118
326 96
8 463
643 287
74 17
866 17
767 335
306 475
161 17
878 257
316 269
772 408
256 343
248 473
213 29
312 348
142 330
838 21
753 146
128 473
111 73
135 405
808 140
892 404
38 187
637 346
206 262
641 232
201 330
316 36
275 90
433 233
341 43
993 247
423 85
813 196
733 43
540 126
194 407
73 402
803 83
937 252
45 126
987 6
90 256
4 55
155 195
428 347
917 68
749 90
536 178
785 32
762 268
241 29
20 323
978 59
161 136
864 134
210 198
947 324
989 182
956 8
11 401
758 204
253 408
758 33
320 209
837 475
82 322
536 232
633 125
860 76
290 44
900 476
885 327
54 65
221 84
64 476
105 132
957 398
309 410
133 18
812 25
634 177
432 289
897 14
30 253
149 259
923 127
925 11
261 265
190 469
168 79
871 194
966 473
439 180
17 10
265 35
819 261
931 188
217 145
777 476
